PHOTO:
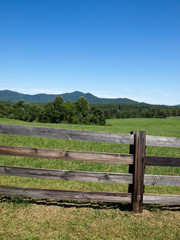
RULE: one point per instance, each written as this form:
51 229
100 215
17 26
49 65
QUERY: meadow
42 219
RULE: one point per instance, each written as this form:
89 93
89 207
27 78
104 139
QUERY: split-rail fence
136 159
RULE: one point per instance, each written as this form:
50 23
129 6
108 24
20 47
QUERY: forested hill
7 95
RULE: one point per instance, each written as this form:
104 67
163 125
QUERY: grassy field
35 219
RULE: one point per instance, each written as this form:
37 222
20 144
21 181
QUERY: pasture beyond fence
136 159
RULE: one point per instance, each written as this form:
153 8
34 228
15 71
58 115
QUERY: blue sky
111 48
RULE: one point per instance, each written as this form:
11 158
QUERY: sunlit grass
40 219
120 125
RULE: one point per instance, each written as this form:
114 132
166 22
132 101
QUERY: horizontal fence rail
137 160
101 177
67 155
65 194
162 141
86 196
86 135
66 174
67 134
162 161
86 156
161 199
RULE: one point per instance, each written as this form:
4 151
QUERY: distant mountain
7 95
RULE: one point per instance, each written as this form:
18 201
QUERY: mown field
40 219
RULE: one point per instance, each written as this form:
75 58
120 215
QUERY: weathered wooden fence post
138 167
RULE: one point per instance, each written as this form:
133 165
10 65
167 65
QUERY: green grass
169 127
45 221
34 219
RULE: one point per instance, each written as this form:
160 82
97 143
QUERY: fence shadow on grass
66 204
173 208
93 205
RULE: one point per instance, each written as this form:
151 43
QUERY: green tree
82 106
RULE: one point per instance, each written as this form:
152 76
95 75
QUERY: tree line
81 112
140 110
56 111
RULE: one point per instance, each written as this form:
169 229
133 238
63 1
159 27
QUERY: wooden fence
136 160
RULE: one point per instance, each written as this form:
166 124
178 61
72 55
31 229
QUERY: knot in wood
155 179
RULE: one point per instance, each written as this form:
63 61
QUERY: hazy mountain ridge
8 95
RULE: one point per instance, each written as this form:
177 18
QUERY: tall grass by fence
136 159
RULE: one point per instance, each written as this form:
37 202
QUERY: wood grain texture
86 196
87 156
100 177
65 194
86 135
139 166
162 141
66 155
66 175
66 134
161 180
161 199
